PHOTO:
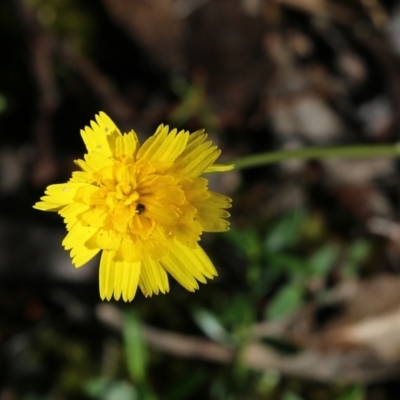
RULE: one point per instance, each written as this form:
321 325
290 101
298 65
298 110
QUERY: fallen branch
42 52
355 365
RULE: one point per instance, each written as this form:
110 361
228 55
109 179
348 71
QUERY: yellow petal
130 250
105 240
131 273
163 148
94 161
196 158
188 234
118 277
188 265
126 145
72 212
210 214
204 263
155 248
219 168
79 241
197 190
100 137
87 194
78 235
82 177
213 224
83 255
195 140
58 196
95 141
106 275
153 277
95 217
106 124
159 212
202 159
217 200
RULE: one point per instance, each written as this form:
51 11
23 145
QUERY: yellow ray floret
143 207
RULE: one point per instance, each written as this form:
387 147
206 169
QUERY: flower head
144 207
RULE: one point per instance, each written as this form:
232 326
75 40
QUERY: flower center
136 198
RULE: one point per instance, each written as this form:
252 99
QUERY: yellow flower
144 207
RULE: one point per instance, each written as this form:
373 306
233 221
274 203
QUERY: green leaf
3 103
95 387
358 251
269 381
121 391
291 396
288 299
285 233
285 263
135 348
108 389
239 311
247 241
320 263
210 325
314 228
353 393
187 387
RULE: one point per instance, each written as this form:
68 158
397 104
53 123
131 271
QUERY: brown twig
187 346
353 365
43 47
323 8
98 83
42 50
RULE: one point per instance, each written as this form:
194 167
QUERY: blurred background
307 302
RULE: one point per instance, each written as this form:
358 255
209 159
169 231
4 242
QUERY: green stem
318 153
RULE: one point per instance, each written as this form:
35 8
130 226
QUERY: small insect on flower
140 208
144 207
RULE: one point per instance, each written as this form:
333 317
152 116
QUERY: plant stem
318 153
